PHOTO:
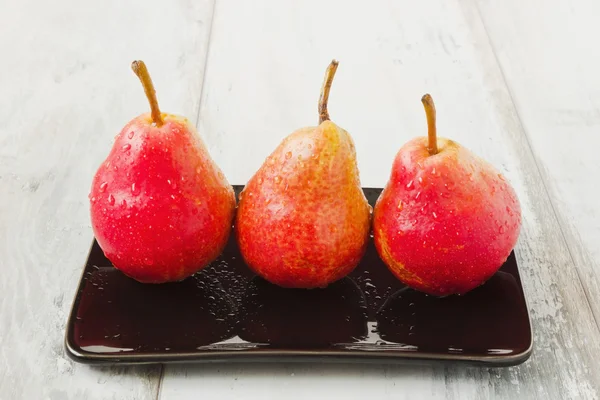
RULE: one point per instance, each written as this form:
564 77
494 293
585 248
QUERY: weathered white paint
514 81
557 90
66 89
263 84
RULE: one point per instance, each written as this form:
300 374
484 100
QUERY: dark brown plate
225 313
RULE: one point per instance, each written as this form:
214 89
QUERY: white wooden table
516 81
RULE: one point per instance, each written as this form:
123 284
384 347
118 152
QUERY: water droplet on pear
135 190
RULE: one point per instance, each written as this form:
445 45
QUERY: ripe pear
303 220
161 208
447 220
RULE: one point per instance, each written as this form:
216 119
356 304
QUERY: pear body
445 223
303 220
161 208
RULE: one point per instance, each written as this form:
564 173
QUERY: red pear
161 208
303 219
447 220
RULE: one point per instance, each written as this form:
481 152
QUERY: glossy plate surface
225 313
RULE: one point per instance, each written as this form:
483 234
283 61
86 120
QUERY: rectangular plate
226 313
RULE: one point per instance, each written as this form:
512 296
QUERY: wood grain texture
514 81
557 90
66 90
265 65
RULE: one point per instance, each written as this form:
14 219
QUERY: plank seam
537 165
206 57
160 380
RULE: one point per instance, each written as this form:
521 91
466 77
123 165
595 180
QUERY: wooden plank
549 59
66 90
264 70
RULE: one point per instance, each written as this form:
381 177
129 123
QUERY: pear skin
303 220
447 220
161 209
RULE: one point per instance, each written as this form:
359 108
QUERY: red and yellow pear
161 208
447 220
303 220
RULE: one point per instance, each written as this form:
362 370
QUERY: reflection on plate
224 312
299 318
119 314
460 324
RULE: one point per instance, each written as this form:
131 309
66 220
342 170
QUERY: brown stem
142 72
329 74
431 128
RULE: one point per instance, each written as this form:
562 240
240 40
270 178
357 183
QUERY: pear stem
139 68
431 127
324 97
